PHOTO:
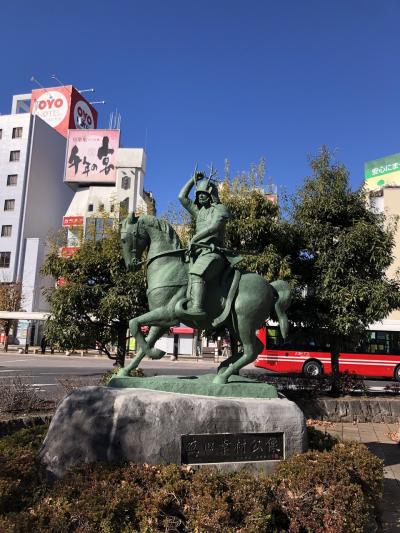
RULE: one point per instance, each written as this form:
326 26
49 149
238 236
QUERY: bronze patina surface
199 286
238 386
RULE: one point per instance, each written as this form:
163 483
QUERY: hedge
333 488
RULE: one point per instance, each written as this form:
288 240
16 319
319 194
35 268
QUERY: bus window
274 338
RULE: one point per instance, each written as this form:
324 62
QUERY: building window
6 231
23 106
5 259
17 133
9 205
125 183
14 155
1 134
12 179
90 208
124 207
99 228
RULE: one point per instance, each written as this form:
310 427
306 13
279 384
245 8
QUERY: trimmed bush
335 490
330 491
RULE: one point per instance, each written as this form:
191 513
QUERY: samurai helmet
207 185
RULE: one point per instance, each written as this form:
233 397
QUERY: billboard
63 108
91 156
71 222
383 171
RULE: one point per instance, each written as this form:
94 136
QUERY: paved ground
44 371
375 436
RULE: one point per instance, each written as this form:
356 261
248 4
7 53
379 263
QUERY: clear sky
205 80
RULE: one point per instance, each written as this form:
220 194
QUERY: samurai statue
207 255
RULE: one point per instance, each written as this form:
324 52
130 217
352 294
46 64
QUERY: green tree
257 229
345 251
97 298
10 300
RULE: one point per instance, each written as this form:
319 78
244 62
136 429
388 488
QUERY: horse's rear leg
234 354
251 348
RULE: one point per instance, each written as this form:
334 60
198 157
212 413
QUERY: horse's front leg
154 334
161 319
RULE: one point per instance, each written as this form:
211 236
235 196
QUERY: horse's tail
282 303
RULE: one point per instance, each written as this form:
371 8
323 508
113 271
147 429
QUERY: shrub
330 491
18 395
319 441
21 479
312 387
335 490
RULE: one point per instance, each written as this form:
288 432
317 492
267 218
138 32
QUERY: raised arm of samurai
184 199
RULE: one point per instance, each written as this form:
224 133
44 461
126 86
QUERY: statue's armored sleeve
184 199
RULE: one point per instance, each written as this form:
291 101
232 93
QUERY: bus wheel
312 369
397 373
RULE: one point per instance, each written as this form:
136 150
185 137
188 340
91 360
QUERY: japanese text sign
384 171
92 156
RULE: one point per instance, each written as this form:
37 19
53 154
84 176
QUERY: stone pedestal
147 426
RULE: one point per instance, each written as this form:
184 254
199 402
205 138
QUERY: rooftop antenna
115 120
98 102
86 91
59 81
34 80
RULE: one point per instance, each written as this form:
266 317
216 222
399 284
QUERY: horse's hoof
220 379
156 353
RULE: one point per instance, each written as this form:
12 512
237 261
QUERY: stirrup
185 313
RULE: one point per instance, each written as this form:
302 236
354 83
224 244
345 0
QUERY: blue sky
207 80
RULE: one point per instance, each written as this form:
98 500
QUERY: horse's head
133 240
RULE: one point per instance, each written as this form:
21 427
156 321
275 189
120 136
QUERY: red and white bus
379 356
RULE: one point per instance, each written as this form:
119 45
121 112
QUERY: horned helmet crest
206 184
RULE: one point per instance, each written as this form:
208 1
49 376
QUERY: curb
349 410
10 426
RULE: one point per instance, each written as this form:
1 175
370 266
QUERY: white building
33 197
92 195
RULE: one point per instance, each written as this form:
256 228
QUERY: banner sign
63 108
92 156
72 221
383 171
68 251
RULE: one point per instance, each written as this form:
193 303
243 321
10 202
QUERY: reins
161 254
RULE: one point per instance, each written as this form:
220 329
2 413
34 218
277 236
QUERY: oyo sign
63 108
52 107
83 116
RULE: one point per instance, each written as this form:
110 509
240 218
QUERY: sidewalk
375 437
91 353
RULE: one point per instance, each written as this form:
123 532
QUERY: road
44 371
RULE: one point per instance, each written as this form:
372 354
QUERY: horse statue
239 301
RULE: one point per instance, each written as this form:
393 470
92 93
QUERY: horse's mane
164 226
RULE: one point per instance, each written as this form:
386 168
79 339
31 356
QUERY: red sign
72 221
92 156
68 251
63 108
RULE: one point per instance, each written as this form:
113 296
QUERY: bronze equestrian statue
199 285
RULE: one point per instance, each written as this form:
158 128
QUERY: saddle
224 289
